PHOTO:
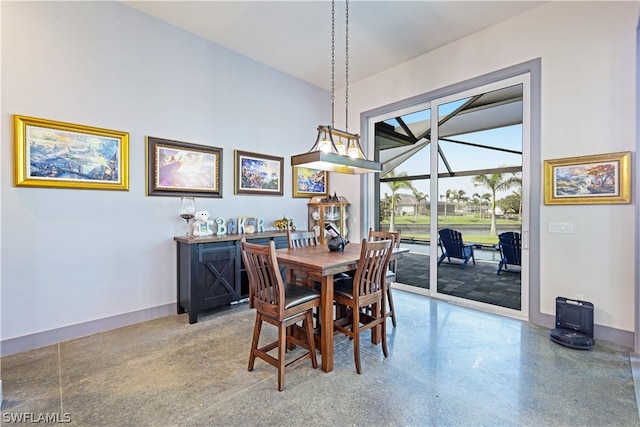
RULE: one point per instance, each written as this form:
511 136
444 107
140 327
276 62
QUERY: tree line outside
456 206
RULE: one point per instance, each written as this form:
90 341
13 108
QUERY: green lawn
463 220
453 220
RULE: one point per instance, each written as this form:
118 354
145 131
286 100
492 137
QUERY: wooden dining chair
394 236
366 289
282 305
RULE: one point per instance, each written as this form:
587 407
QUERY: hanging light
343 157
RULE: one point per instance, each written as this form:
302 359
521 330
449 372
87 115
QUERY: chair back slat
266 287
372 267
300 239
394 236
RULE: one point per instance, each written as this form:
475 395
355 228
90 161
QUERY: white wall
588 52
73 256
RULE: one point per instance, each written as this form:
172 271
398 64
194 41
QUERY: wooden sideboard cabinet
210 272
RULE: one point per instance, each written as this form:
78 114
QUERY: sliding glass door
453 182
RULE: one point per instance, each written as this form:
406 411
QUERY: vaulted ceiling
295 36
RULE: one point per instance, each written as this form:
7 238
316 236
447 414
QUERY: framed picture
604 178
65 155
258 174
176 168
309 182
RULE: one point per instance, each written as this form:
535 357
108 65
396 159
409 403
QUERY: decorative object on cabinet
333 209
64 155
210 271
599 179
308 182
201 224
187 211
176 168
326 154
258 174
284 224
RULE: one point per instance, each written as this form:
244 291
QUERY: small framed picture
599 179
258 174
309 182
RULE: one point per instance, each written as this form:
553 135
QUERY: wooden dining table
318 264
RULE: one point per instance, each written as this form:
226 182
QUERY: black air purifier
574 324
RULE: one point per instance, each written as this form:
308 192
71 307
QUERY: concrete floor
448 365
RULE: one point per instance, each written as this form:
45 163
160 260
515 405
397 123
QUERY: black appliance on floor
574 324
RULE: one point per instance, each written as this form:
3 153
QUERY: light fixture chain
346 69
333 59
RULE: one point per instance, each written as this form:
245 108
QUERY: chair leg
308 325
355 329
385 349
254 341
282 350
391 307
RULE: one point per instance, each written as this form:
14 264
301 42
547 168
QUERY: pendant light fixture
344 155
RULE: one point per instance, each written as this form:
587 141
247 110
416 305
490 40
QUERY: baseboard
600 333
53 336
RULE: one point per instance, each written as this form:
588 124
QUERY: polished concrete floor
448 366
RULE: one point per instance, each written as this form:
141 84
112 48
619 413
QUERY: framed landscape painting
176 168
599 179
309 182
56 154
258 174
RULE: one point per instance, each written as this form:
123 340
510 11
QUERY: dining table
318 264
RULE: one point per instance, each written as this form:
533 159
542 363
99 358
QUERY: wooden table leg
326 322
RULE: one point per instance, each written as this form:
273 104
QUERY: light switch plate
560 227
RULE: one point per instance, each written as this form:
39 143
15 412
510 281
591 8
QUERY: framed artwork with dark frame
599 179
308 182
258 174
56 154
176 168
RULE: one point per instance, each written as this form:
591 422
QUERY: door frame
531 163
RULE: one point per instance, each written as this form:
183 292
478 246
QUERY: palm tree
419 196
395 186
447 195
459 196
494 182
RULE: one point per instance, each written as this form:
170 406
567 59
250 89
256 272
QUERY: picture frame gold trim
301 187
596 179
54 154
247 181
183 169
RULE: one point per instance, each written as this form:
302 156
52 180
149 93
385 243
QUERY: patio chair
510 247
452 246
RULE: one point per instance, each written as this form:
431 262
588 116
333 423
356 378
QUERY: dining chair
282 305
394 236
365 289
300 239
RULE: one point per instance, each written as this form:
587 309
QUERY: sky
463 157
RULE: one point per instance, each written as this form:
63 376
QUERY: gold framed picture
56 154
308 182
598 179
